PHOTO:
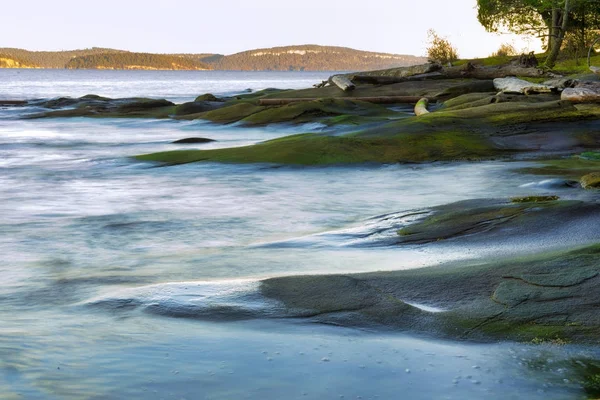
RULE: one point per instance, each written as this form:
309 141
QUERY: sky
231 26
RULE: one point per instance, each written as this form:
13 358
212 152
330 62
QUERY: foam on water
234 299
373 232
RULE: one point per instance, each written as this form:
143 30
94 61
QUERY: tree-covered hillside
10 61
290 58
52 59
313 58
128 60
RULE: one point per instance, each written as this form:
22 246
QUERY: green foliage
440 49
543 18
518 16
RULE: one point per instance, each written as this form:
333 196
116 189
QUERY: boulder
208 97
591 181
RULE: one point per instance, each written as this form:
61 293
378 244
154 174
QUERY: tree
548 19
558 32
440 49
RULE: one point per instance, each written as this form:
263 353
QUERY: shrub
440 49
504 50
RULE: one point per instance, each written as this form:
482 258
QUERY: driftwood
421 107
468 70
374 100
471 71
584 92
388 80
342 82
561 83
403 72
516 85
595 70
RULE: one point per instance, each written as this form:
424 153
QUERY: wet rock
96 106
193 140
196 107
548 297
208 97
12 103
59 102
143 105
591 181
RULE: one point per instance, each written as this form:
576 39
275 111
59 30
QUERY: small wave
552 184
374 232
228 300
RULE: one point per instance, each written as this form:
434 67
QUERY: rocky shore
550 295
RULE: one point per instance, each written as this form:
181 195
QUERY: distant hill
138 61
10 61
289 58
53 59
313 58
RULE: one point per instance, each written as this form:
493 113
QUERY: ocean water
84 226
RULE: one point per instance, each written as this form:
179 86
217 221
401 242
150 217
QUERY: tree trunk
560 34
550 25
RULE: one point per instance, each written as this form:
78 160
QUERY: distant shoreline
289 58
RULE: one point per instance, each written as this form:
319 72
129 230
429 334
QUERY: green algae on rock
476 217
317 149
533 199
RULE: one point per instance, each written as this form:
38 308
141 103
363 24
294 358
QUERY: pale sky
230 26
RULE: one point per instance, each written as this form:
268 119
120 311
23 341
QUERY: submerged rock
193 140
96 106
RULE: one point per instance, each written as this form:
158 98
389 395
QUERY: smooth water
177 86
82 223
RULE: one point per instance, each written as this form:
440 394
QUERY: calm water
81 221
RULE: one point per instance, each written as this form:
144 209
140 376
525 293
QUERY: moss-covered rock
533 199
487 131
208 97
543 297
228 114
591 181
314 111
316 149
476 217
196 107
